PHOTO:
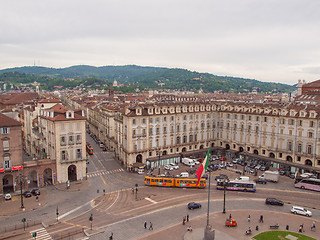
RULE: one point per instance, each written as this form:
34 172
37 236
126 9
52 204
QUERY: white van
243 178
188 162
184 175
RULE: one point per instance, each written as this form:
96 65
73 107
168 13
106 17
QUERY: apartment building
11 153
56 133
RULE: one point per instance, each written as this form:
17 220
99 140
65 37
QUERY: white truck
188 162
271 176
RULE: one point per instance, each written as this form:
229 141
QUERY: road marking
149 199
73 210
111 204
41 234
75 225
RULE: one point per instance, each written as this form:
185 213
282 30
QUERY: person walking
249 218
230 217
145 224
187 217
261 219
151 226
183 220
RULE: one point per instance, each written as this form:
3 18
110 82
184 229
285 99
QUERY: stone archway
72 173
7 183
289 158
271 155
164 153
47 176
33 179
201 147
256 152
212 145
308 162
240 149
139 158
184 149
227 146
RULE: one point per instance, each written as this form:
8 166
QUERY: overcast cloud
270 40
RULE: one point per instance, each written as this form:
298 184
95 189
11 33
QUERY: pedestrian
145 224
111 236
230 217
151 226
313 227
302 227
183 220
132 190
261 219
187 217
249 218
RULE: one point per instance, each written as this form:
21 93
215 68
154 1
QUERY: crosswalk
96 174
41 234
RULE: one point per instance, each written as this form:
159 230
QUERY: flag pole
208 200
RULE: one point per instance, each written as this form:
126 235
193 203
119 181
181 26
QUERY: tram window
152 180
160 180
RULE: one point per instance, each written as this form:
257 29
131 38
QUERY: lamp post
21 179
158 152
224 196
136 191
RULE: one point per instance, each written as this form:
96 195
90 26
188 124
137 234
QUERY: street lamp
21 179
136 191
224 196
159 152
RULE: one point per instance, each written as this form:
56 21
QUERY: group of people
150 225
185 219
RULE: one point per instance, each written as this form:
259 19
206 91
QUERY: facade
11 153
55 136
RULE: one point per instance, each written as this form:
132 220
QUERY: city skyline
271 41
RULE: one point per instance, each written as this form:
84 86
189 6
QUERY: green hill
138 76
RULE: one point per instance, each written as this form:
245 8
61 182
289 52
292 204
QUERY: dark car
35 192
27 194
221 177
274 201
194 205
260 181
282 172
205 176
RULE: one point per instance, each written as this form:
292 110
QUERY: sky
270 40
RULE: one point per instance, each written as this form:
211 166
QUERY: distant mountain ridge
155 77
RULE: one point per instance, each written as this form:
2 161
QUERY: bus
89 149
237 185
308 183
174 182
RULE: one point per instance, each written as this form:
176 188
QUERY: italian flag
203 167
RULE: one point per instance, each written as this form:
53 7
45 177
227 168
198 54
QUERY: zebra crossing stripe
41 234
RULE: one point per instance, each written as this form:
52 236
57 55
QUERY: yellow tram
174 182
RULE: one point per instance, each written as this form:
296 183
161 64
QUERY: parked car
264 168
194 205
168 167
274 201
282 172
229 164
104 149
204 176
260 181
7 196
27 194
301 211
35 192
221 177
174 166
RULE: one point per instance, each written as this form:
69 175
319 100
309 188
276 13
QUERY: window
290 132
144 131
164 119
6 145
133 121
249 118
165 129
299 148
235 126
265 119
300 123
178 140
6 162
63 155
228 115
5 130
311 123
63 140
195 137
79 154
228 125
150 120
78 138
150 131
184 139
178 128
185 117
242 127
134 132
281 131
157 130
309 149
184 127
310 134
242 117
257 129
70 139
157 119
191 138
257 118
290 146
172 118
143 120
